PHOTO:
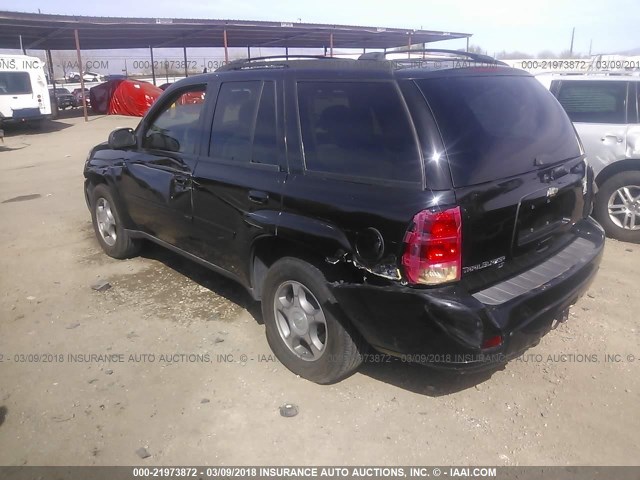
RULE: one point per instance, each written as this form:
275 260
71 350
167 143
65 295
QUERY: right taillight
433 247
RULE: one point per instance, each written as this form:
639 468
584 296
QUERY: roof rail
476 57
269 61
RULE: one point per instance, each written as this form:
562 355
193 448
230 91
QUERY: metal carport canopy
56 32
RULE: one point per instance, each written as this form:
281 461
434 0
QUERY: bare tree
477 49
547 54
568 54
513 55
65 61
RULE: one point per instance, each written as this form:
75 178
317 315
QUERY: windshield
498 126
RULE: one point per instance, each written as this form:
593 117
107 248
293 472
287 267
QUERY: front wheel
108 226
304 327
617 206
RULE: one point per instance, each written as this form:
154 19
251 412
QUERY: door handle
615 137
257 196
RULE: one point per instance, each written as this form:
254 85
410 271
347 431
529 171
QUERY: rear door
17 95
599 110
238 182
516 166
356 170
156 182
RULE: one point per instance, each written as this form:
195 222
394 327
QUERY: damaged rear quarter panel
346 221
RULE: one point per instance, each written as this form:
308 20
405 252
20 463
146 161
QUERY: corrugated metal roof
56 32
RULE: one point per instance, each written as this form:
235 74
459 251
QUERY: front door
157 179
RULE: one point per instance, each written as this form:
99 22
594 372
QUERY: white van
24 96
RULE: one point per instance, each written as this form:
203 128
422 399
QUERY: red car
77 94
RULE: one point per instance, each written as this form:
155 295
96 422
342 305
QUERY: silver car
605 112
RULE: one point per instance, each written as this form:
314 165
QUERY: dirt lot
561 404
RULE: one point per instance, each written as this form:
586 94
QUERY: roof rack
268 62
476 57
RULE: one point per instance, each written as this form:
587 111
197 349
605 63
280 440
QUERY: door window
244 124
594 101
178 128
265 139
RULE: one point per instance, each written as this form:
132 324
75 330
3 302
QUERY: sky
496 25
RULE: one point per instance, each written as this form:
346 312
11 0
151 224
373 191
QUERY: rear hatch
516 166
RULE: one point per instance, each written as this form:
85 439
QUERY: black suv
437 211
63 98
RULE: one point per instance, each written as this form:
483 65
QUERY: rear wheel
617 206
108 226
304 328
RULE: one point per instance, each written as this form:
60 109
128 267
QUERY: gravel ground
193 381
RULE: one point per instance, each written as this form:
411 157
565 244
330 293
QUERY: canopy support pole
226 47
84 95
186 65
248 52
409 47
53 82
153 67
331 44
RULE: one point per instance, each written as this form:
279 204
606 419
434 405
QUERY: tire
108 225
608 193
341 345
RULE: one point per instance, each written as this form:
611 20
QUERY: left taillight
433 247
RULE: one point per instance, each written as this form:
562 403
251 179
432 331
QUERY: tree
568 54
477 49
547 54
65 61
515 55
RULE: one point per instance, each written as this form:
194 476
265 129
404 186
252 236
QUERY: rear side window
495 127
244 123
358 129
594 102
15 83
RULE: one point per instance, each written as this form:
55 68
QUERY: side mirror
122 138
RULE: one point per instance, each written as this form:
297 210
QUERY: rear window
357 129
496 127
15 83
594 102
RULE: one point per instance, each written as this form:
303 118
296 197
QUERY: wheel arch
630 164
267 250
93 179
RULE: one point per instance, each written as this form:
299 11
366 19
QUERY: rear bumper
25 115
447 326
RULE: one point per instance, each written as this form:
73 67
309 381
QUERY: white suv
604 110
